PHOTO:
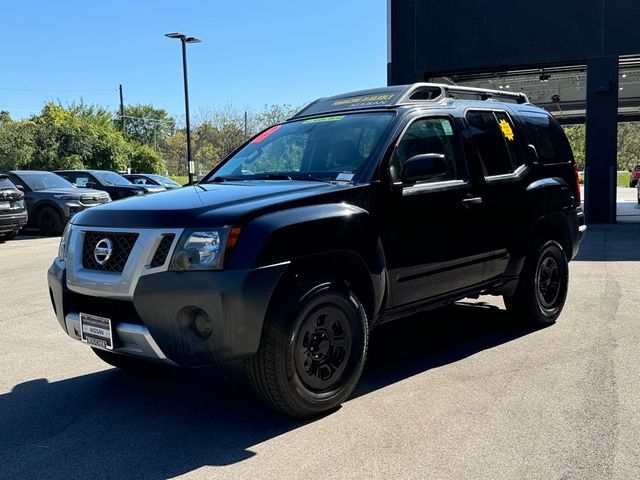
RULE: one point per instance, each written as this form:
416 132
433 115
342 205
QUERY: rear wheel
542 288
313 348
49 221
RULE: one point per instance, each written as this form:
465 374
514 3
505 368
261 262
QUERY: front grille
91 201
122 244
162 251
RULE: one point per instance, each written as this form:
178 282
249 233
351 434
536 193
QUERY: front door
434 241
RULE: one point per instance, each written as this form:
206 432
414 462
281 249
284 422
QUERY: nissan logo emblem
102 252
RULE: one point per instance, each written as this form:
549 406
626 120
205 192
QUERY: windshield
110 178
44 181
325 148
167 182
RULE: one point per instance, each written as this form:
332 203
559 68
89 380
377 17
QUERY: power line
58 91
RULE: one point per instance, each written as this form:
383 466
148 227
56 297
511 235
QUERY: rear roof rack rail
393 96
437 92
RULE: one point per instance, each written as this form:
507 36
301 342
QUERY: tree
272 114
146 124
144 159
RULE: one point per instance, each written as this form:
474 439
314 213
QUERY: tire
542 288
8 235
313 348
124 362
49 222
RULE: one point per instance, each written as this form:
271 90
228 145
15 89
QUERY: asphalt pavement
463 393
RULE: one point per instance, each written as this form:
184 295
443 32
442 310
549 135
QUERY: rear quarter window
6 183
547 136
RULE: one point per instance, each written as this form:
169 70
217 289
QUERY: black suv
361 209
113 183
13 212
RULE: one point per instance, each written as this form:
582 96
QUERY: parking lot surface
459 393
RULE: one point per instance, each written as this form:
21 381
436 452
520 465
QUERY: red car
635 176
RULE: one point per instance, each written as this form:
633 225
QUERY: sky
253 53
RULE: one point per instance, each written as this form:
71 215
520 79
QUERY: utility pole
245 125
121 109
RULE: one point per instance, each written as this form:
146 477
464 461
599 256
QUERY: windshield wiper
271 176
308 177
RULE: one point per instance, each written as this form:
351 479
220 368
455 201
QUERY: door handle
472 201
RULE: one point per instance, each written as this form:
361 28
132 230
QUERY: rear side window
494 137
6 183
548 138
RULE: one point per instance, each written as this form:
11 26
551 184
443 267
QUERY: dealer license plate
4 206
96 331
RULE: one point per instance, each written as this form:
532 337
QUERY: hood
76 192
202 205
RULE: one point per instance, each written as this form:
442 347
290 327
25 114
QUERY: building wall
439 37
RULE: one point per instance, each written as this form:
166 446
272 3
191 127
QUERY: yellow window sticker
507 131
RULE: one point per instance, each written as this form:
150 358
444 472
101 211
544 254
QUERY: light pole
184 40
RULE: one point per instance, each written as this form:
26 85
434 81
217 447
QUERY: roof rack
387 97
438 91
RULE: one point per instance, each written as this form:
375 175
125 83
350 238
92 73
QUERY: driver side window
427 135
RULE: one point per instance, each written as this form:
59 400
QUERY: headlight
64 239
200 249
67 197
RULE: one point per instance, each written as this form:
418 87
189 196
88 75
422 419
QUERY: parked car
13 211
152 179
635 176
361 209
51 200
113 183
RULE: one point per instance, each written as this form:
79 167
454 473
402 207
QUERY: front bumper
12 221
158 323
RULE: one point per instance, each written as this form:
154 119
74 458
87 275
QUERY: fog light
201 323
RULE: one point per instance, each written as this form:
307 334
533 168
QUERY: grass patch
181 179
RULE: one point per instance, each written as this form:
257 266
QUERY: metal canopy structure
580 59
562 90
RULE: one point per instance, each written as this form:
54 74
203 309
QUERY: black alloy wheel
543 285
313 348
49 222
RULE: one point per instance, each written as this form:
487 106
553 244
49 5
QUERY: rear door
496 144
434 237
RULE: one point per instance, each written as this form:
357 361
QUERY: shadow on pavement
610 243
113 424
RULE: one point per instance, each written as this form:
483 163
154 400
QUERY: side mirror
20 187
423 167
90 185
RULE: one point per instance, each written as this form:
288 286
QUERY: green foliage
75 136
145 159
628 144
146 124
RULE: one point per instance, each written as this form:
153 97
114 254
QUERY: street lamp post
184 40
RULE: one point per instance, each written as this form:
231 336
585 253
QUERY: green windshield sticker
446 126
324 119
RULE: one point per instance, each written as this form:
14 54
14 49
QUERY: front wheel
8 235
313 348
542 288
49 222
